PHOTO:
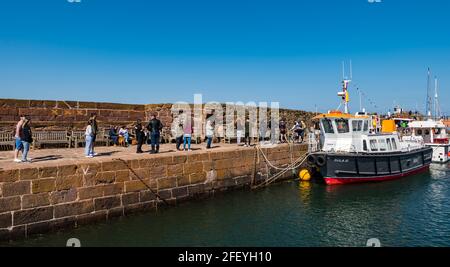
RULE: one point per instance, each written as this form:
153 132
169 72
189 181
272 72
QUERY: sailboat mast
428 104
436 100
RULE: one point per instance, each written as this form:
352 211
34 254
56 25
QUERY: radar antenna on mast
344 94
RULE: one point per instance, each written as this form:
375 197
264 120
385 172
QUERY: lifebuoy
321 161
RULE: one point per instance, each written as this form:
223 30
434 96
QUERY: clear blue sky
145 51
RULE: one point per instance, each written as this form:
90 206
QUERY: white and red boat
433 134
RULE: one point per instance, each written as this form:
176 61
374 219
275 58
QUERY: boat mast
429 101
345 83
437 110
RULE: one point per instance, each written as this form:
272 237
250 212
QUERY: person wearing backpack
27 140
18 135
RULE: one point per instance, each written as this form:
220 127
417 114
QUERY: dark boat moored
340 168
350 148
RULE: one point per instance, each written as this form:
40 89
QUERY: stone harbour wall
51 114
36 200
67 114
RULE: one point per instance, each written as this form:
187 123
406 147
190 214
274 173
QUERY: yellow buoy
305 175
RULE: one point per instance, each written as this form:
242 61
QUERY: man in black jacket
140 135
154 127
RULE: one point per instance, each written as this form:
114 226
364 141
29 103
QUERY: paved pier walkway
59 156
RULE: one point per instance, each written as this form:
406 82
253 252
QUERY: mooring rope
294 165
142 181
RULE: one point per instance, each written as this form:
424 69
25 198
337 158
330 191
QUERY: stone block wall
36 200
67 114
46 114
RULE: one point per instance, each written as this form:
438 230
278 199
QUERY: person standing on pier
302 131
154 127
283 130
89 135
18 135
140 136
94 127
209 129
27 140
187 135
239 131
247 133
178 130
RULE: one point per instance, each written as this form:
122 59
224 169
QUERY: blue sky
144 51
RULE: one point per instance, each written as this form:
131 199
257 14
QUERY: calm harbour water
414 211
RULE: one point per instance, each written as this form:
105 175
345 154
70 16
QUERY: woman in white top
89 135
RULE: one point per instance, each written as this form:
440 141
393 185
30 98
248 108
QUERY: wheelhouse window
382 145
342 126
366 125
357 126
327 126
364 145
394 144
360 125
373 145
389 144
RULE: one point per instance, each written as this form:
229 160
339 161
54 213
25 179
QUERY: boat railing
413 139
313 143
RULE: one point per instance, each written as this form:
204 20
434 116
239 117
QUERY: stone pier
61 189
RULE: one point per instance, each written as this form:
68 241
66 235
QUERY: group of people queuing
184 130
150 133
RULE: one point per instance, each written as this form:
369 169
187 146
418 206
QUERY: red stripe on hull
340 181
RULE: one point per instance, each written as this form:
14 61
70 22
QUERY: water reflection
305 192
414 211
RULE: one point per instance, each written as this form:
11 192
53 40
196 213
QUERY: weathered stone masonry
50 114
36 200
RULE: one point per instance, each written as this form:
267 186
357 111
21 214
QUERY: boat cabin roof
339 115
430 124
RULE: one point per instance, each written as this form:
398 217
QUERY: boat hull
341 181
347 168
440 152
